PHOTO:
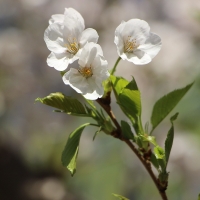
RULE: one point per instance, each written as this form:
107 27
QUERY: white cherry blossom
65 37
135 42
92 71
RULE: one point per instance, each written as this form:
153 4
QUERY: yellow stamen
130 45
86 72
73 45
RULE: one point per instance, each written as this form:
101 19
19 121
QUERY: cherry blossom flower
92 71
65 37
135 42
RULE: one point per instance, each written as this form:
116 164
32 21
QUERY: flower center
130 45
85 71
72 46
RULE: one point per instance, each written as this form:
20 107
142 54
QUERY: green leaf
97 132
70 152
118 84
130 100
150 139
120 196
126 131
160 156
66 104
159 152
132 85
165 105
170 138
154 161
199 197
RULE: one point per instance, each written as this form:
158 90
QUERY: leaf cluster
128 97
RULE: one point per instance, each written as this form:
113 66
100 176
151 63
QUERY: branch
118 134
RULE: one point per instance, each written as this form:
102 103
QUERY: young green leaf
160 156
66 104
170 138
159 152
118 83
70 152
154 161
126 131
150 139
120 196
130 100
165 105
132 85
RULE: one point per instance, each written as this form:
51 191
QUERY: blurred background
32 137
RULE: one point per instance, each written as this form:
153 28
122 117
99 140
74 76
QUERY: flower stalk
115 66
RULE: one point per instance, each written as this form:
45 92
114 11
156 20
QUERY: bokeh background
32 137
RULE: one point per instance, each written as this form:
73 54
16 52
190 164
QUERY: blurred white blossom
93 70
65 37
135 42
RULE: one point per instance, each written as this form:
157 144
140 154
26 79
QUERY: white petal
84 55
72 29
75 80
97 91
88 35
58 18
60 61
152 45
92 96
88 54
53 38
138 57
136 29
100 68
91 56
119 38
73 14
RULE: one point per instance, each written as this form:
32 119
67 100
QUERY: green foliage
70 152
130 100
199 197
159 152
160 156
120 196
118 83
126 131
170 138
64 103
154 161
128 97
150 139
165 105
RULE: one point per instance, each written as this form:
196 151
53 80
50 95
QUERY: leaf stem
115 66
94 124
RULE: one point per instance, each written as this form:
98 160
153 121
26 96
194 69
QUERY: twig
145 162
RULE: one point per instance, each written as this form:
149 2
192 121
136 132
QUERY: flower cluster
68 40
